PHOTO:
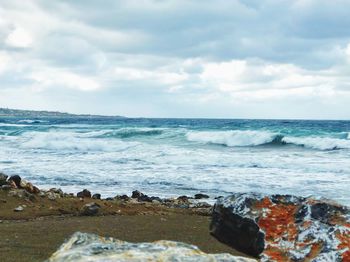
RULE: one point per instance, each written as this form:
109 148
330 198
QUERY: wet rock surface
90 247
283 227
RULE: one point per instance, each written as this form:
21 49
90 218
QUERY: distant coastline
6 112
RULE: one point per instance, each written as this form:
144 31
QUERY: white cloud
62 79
19 38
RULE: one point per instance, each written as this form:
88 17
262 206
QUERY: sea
173 157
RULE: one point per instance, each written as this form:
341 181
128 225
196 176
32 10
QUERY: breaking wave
71 142
124 133
320 143
233 138
248 138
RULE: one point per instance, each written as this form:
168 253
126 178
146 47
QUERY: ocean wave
71 142
239 138
233 138
124 133
11 125
30 121
320 143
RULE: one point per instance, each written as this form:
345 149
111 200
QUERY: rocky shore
264 227
22 200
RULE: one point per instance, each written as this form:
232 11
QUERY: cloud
19 38
177 58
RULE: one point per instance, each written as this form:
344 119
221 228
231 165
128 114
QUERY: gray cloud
177 58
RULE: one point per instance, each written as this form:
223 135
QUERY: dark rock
283 227
237 231
122 197
16 180
158 199
90 209
84 194
109 199
96 196
3 179
136 194
144 198
183 198
200 196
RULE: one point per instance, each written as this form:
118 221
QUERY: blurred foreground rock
283 227
90 247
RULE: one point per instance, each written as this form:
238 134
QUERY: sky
177 58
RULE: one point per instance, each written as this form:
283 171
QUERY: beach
46 221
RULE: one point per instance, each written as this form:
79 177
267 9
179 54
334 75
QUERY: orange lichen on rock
344 238
315 250
278 221
276 254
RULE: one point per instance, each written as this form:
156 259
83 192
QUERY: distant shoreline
5 112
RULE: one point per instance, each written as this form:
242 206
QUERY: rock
200 196
57 191
200 205
84 194
89 247
16 181
19 209
29 187
109 199
183 198
6 187
3 179
136 194
96 196
20 193
90 209
122 197
283 227
52 195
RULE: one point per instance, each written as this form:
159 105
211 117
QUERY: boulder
89 247
84 194
200 196
52 195
122 197
283 227
3 179
29 187
57 191
136 194
15 181
96 196
90 209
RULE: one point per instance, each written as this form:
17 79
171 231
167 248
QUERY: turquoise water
170 157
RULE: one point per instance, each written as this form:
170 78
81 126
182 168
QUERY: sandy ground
37 239
36 232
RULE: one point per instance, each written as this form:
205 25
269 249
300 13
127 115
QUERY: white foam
71 141
29 121
14 125
232 138
320 143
